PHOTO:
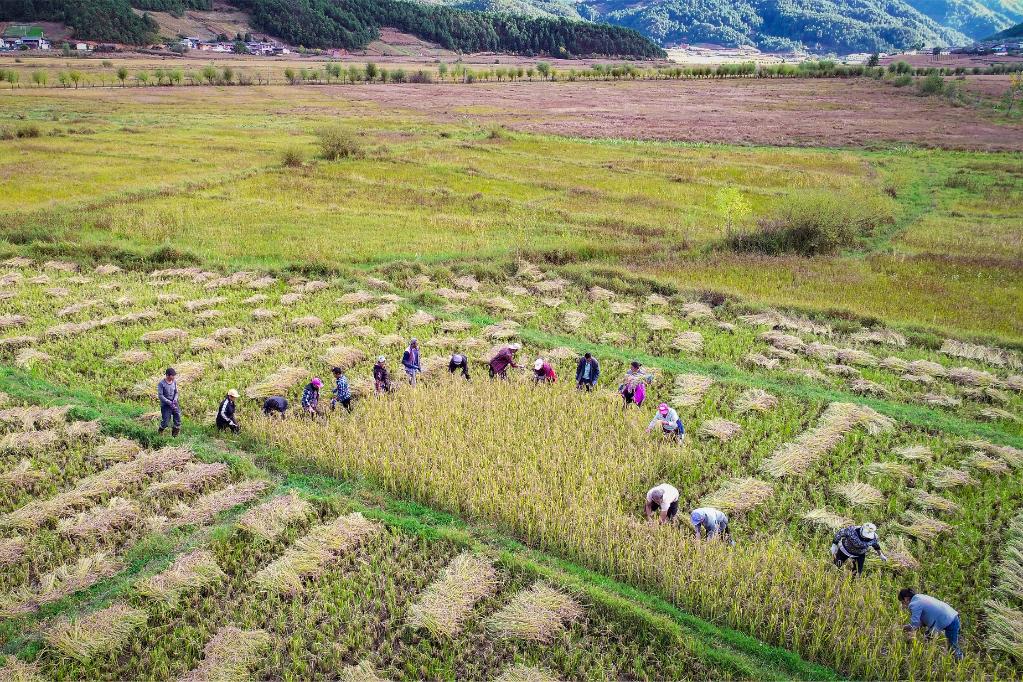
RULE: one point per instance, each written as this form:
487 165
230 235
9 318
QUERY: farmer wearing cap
410 361
342 390
225 415
711 521
667 418
311 396
275 405
170 410
587 372
933 615
633 386
543 373
662 499
504 359
853 542
459 363
381 376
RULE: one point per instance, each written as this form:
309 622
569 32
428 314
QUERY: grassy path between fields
743 656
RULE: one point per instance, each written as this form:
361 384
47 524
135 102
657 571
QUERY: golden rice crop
101 520
722 429
251 352
270 519
934 502
688 342
689 389
922 526
16 670
344 357
536 614
450 598
1005 629
310 554
191 571
59 583
278 383
827 519
188 372
97 633
858 493
203 509
230 655
947 477
194 476
739 495
755 399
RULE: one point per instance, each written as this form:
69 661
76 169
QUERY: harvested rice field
489 529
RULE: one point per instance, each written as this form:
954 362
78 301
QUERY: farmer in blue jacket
170 410
587 372
933 615
342 390
410 361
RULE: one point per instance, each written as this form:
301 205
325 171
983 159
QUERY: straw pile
277 383
1008 454
467 283
780 354
497 304
920 379
760 360
755 400
230 655
18 262
15 342
118 450
452 326
206 507
842 371
656 323
562 353
947 477
59 583
891 470
11 549
697 311
29 441
353 317
573 319
927 367
614 339
205 345
899 554
207 315
251 352
60 266
623 308
853 356
1014 382
688 342
194 477
100 632
270 519
255 299
384 311
451 294
22 475
102 520
826 519
722 429
552 302
838 419
887 337
821 351
689 389
782 340
739 495
967 376
450 598
26 358
982 462
940 400
1004 628
363 332
933 502
306 322
988 413
169 298
263 314
866 387
34 417
524 673
971 351
107 269
204 303
309 556
356 298
165 335
291 298
39 279
657 300
536 614
344 357
551 286
859 494
922 526
422 318
189 572
894 364
12 321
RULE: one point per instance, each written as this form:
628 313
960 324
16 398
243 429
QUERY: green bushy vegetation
105 20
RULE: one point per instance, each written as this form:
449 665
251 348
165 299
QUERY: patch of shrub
6 133
963 180
902 81
337 143
932 84
293 157
29 131
816 224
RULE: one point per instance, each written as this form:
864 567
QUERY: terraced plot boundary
724 649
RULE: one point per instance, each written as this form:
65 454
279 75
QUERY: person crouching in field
633 386
225 413
342 390
459 363
669 421
275 406
543 373
933 615
410 361
587 372
662 500
712 522
311 397
853 542
170 408
504 359
381 376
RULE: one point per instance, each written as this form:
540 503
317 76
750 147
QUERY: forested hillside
104 20
974 18
1011 32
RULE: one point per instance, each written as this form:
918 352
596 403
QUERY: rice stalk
165 335
739 495
230 655
655 323
15 670
363 332
188 372
932 502
264 282
886 337
452 326
780 354
1004 629
117 450
993 414
689 389
688 342
291 298
35 417
614 339
208 315
103 520
251 352
234 279
920 379
697 311
899 555
859 494
16 342
260 314
891 470
853 356
498 304
256 299
59 583
203 344
894 364
204 303
761 360
60 266
726 327
450 598
755 400
982 462
821 351
947 477
551 286
363 672
782 340
384 311
1008 454
622 308
29 442
1014 382
206 507
169 298
189 572
100 632
451 294
270 519
866 387
562 353
309 556
22 475
987 354
344 357
193 477
940 400
722 429
826 519
227 333
922 526
278 383
536 614
967 376
421 318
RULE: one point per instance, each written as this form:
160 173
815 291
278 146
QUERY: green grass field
882 382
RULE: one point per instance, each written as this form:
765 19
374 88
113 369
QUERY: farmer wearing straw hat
543 373
225 415
342 390
459 363
711 521
381 376
662 499
504 359
170 410
410 361
311 396
669 421
853 542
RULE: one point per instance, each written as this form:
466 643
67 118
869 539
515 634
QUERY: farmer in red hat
311 396
669 421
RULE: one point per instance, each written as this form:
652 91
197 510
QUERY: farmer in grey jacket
167 392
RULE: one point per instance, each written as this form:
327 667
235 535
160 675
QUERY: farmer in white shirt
662 499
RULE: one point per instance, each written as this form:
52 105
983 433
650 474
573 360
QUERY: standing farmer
669 421
459 363
342 390
543 373
170 410
504 359
381 377
711 521
225 414
662 499
587 372
410 361
633 386
311 396
853 542
932 615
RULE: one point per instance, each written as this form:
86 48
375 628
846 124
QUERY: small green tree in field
733 207
337 143
227 75
384 75
76 77
209 74
291 76
544 69
176 76
371 72
442 70
142 77
1014 92
354 74
63 79
875 59
122 75
39 78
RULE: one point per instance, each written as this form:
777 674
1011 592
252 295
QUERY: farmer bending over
381 376
225 414
711 521
504 359
311 396
853 542
662 499
633 386
170 410
459 363
587 372
275 406
933 615
342 390
543 373
669 421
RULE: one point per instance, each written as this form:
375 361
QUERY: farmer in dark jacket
459 363
311 396
225 413
381 376
853 542
587 372
170 410
342 390
410 361
275 405
504 359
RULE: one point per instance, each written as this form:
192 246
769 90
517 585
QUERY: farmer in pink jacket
633 386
